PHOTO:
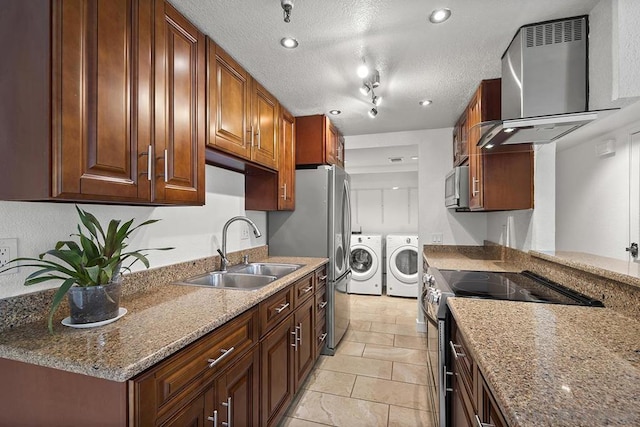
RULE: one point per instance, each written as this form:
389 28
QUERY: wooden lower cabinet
304 352
194 414
276 360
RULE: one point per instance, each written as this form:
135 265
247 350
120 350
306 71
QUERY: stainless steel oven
438 285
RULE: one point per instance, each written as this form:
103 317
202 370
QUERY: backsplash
34 307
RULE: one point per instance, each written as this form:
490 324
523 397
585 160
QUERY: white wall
379 209
195 232
435 159
593 196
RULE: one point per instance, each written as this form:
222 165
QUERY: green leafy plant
95 260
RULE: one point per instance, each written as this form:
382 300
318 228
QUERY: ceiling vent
396 159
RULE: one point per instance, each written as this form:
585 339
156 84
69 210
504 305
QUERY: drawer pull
299 333
322 337
481 424
305 290
282 308
455 350
225 353
214 418
295 339
321 278
322 305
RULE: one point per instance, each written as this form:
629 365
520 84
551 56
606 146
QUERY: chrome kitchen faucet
223 254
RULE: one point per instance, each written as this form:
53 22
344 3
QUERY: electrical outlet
436 238
8 251
244 232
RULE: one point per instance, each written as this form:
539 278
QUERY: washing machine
366 264
402 265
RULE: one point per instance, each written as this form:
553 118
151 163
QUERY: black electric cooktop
524 286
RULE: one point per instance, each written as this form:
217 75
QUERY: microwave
456 188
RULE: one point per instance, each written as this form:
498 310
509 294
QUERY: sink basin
266 268
229 280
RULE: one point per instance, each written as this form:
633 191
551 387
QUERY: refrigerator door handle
346 218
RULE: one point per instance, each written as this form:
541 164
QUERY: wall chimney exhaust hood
544 85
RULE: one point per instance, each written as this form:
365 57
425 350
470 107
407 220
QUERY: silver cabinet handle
252 135
310 288
322 337
166 166
295 339
299 333
282 308
475 181
322 277
214 418
228 405
455 350
149 161
258 135
225 353
481 424
284 192
322 305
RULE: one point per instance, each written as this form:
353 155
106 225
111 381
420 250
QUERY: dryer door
364 262
404 264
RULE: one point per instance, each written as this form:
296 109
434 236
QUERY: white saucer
67 321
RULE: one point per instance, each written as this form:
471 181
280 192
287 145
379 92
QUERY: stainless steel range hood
544 85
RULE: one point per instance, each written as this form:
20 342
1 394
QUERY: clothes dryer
402 265
366 264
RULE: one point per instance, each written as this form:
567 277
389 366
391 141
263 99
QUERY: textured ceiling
416 59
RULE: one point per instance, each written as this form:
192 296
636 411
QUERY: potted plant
90 270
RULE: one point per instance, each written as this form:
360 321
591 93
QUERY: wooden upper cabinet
287 159
87 121
243 115
180 107
229 94
500 178
265 116
318 141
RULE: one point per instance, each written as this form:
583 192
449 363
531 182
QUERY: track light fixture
371 80
373 112
365 88
287 6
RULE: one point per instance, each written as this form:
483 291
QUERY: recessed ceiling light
425 102
414 157
335 112
395 188
439 15
289 42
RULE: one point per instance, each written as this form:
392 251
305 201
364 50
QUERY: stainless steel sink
248 277
266 268
228 280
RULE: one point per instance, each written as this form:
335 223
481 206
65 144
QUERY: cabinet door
305 334
489 411
180 108
287 160
475 155
101 123
195 414
331 143
237 392
340 150
276 377
264 148
229 93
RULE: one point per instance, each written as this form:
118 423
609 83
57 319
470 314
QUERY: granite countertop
471 260
158 323
555 365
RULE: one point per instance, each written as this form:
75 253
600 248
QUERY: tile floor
376 378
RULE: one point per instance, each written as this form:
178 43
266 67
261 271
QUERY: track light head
373 112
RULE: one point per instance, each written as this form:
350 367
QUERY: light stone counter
159 322
555 365
476 258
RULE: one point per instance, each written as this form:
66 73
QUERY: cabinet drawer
303 289
275 309
463 360
168 384
321 303
321 276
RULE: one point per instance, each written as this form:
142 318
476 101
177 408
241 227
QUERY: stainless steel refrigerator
320 226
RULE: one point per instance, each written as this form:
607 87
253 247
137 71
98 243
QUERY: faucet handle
245 259
223 261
